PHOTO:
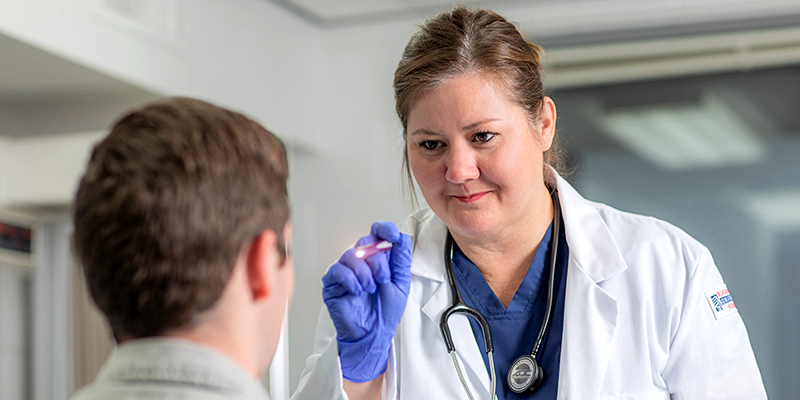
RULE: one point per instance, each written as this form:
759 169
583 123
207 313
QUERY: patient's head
171 199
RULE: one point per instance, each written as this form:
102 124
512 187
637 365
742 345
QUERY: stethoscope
524 374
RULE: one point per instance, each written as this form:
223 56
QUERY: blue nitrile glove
366 299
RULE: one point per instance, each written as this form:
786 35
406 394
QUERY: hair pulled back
471 41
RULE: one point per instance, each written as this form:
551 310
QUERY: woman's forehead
467 99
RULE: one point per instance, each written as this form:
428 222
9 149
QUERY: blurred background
688 111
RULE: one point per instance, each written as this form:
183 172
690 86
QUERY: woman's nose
462 165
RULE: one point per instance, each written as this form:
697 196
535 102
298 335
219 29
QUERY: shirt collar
181 363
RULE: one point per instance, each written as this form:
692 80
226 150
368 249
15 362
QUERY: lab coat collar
428 235
591 245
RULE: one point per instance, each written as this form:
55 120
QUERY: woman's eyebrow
466 128
424 131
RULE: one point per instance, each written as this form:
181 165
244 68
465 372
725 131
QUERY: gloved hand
366 299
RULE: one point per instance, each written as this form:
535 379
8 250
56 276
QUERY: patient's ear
262 258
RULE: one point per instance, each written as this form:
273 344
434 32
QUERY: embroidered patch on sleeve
721 302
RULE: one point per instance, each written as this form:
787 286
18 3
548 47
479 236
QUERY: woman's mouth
471 197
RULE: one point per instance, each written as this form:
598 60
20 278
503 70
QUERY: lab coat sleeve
710 358
322 376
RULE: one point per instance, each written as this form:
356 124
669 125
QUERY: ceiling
571 21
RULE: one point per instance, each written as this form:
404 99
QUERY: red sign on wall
15 238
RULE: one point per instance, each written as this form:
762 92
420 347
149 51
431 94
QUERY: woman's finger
340 280
361 270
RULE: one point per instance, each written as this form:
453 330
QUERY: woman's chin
474 227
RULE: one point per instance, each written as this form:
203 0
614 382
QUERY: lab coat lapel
590 313
467 351
589 326
429 263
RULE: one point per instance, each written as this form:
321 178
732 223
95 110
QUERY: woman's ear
547 123
262 257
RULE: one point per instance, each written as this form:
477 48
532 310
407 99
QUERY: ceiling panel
575 20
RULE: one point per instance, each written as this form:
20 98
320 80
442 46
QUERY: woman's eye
484 137
429 145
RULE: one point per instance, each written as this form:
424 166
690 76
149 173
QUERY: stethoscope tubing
548 313
459 306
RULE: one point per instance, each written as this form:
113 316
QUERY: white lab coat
637 324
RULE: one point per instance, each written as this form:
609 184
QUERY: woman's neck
504 258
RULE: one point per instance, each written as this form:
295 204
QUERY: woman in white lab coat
638 310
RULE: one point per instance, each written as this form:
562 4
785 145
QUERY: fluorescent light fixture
682 137
639 60
778 209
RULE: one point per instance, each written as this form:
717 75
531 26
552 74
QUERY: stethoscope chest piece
525 374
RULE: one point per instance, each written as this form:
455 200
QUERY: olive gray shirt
163 368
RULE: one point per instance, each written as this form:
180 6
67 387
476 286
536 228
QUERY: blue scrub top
514 330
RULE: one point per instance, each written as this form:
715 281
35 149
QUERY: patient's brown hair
167 202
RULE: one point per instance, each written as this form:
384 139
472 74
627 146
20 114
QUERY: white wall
355 180
43 170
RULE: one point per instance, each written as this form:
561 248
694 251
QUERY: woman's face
476 157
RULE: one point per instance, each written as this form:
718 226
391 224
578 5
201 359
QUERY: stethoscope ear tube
525 374
548 313
448 339
465 309
459 306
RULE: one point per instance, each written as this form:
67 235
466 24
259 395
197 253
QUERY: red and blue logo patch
721 302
